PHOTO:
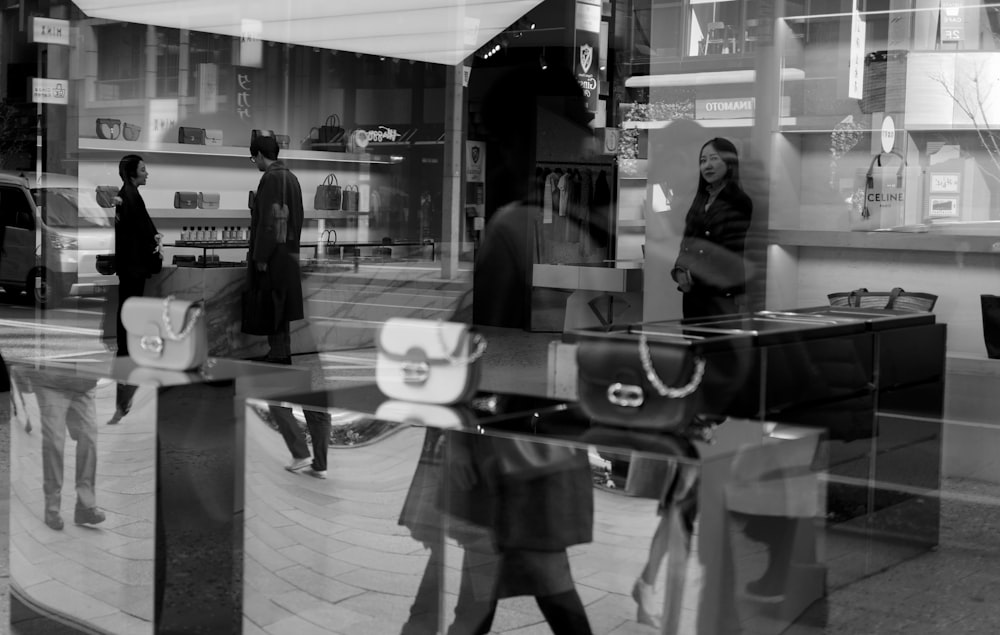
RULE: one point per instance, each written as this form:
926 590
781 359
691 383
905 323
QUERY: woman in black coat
709 269
137 255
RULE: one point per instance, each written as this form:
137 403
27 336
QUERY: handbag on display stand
991 324
351 198
165 332
109 128
328 194
331 130
632 383
131 132
185 200
195 136
428 361
208 200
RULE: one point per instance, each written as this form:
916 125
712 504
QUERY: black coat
275 229
714 241
135 236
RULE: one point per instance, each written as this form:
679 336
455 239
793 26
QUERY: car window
16 209
64 207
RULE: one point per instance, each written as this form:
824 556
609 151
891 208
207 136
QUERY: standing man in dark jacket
275 227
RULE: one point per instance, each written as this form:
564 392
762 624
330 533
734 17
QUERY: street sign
49 31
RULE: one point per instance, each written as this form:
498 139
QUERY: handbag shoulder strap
333 120
855 298
331 179
892 297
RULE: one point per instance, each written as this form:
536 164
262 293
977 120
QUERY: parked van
53 231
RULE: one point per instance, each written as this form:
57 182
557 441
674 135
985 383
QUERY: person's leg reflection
294 438
52 409
81 421
318 423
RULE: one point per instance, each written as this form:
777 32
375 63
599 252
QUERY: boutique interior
618 317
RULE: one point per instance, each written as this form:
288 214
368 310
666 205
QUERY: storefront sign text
49 91
49 31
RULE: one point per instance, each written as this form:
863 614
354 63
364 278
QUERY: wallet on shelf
208 200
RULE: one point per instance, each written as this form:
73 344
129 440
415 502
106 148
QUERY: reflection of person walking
275 230
68 406
318 423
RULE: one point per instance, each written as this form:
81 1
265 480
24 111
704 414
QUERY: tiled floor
369 565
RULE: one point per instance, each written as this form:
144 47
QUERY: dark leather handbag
185 200
632 383
109 128
195 136
260 133
328 194
351 198
259 311
331 131
106 264
895 299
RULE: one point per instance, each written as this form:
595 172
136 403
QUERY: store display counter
221 289
161 554
401 535
872 380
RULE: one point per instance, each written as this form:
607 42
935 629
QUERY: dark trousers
318 424
280 343
128 287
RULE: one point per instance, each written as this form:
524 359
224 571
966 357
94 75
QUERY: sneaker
88 516
316 473
298 464
645 596
54 520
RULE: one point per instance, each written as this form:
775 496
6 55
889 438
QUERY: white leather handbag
428 361
165 332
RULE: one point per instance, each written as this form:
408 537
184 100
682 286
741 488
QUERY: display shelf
122 146
972 242
241 214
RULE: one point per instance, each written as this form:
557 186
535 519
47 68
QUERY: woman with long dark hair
709 269
137 256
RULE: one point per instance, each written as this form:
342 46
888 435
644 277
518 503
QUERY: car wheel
41 291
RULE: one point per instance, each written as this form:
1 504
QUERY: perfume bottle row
213 234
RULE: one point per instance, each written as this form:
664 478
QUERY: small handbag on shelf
331 130
185 200
195 136
165 332
632 383
328 194
351 198
895 299
131 132
428 361
105 264
213 137
109 128
208 200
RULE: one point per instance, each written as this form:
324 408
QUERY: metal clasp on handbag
152 344
416 372
625 395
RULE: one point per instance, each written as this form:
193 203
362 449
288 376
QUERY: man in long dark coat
275 228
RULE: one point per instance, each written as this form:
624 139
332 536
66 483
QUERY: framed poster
943 207
944 182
